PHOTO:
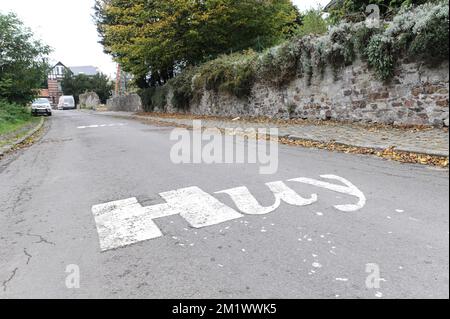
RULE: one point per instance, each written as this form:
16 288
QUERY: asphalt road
47 192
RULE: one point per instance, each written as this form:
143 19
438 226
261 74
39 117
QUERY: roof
59 64
86 70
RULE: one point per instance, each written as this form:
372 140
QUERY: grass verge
15 121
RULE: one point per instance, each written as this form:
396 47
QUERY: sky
67 26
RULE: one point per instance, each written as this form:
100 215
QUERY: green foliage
23 61
182 89
361 37
76 85
341 52
431 44
381 57
153 40
313 23
355 10
153 98
279 65
12 115
233 74
418 34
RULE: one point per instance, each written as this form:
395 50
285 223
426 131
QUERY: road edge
7 148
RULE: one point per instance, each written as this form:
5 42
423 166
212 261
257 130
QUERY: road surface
396 245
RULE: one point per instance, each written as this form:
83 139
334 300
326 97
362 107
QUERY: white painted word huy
126 222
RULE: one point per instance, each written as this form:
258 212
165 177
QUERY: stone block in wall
125 103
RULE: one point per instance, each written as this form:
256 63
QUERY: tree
23 61
76 85
312 23
154 40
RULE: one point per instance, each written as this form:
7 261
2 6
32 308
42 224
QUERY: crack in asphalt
24 194
7 281
29 256
42 240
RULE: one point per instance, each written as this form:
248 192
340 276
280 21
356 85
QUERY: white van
66 102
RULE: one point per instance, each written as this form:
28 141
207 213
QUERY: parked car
41 106
66 102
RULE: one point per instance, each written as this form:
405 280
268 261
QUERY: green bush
380 56
182 89
361 37
280 65
431 44
418 34
234 74
354 10
153 98
11 115
341 50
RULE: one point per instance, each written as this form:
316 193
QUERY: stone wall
89 100
126 103
416 95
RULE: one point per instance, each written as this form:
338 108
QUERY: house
56 75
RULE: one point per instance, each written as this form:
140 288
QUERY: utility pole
118 79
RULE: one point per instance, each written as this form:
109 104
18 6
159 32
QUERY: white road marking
125 222
99 125
248 204
199 208
349 189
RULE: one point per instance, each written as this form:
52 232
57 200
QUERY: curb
290 137
7 148
374 147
